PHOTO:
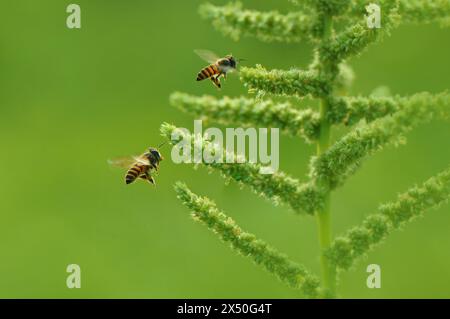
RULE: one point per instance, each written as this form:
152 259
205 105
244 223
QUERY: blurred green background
71 99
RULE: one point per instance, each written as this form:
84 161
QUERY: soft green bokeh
71 99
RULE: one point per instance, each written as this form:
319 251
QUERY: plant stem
324 215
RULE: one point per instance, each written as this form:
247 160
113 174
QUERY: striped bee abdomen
207 72
134 172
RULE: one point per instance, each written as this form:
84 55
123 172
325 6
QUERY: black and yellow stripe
208 72
215 80
148 177
134 172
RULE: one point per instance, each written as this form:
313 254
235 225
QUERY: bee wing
126 162
142 159
208 56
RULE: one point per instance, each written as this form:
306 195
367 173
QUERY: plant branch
356 38
350 110
205 211
333 166
391 216
293 82
425 11
251 113
278 187
270 26
330 8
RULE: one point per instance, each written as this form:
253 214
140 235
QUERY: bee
140 166
218 67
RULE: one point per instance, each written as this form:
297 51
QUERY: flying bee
218 66
140 166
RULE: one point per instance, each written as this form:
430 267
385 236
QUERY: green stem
324 215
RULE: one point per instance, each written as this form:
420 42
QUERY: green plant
379 121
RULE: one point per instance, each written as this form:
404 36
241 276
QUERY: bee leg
224 75
150 179
215 80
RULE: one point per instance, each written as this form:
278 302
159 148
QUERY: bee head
232 61
155 153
